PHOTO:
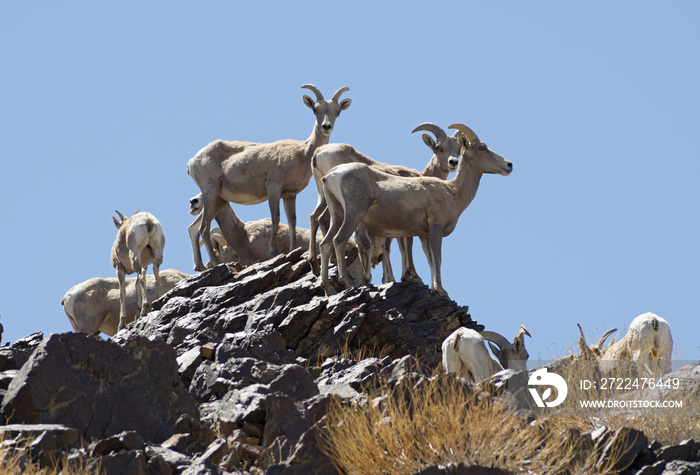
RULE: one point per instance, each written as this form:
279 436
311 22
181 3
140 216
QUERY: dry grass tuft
442 420
15 459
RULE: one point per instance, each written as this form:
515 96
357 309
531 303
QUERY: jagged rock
463 468
282 295
100 387
7 359
127 462
623 444
687 450
678 467
654 469
127 440
23 348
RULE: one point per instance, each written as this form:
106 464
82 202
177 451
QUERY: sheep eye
483 147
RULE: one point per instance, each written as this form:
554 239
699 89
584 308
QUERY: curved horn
469 133
523 331
121 216
314 89
601 342
432 128
339 92
498 339
581 330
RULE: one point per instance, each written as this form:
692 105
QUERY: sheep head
510 355
326 111
196 205
593 352
476 152
119 223
446 148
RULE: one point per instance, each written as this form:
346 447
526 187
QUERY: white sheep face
326 112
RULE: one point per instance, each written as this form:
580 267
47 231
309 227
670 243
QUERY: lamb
246 243
250 173
140 242
394 206
444 160
648 338
464 353
93 306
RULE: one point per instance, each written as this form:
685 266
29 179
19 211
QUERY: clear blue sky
595 103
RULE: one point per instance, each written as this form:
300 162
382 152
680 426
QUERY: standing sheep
250 173
140 242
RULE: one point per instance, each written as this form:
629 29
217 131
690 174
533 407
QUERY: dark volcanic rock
99 387
234 371
281 295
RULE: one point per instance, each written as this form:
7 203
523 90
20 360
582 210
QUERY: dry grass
15 459
441 420
668 426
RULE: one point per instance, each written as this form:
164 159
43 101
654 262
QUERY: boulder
100 388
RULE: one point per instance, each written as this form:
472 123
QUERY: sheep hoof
328 289
438 292
411 278
315 268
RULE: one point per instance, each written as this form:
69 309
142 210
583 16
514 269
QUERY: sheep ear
345 104
429 141
309 102
464 141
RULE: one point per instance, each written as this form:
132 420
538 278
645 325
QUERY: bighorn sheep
93 306
445 159
250 173
464 353
648 338
394 206
140 242
510 355
593 352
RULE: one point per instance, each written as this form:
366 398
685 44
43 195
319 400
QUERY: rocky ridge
233 370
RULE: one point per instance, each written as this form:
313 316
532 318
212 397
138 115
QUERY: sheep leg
193 230
364 247
388 272
290 210
313 226
409 269
326 248
432 246
142 290
212 206
156 274
274 195
121 277
340 241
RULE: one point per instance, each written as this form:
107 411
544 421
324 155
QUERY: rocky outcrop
233 372
282 294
